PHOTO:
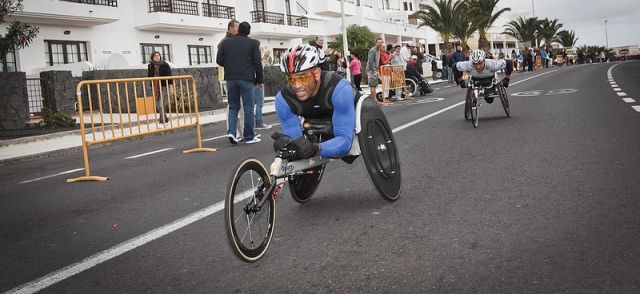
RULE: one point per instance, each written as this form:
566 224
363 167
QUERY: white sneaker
233 139
254 140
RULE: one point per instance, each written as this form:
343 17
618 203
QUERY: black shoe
489 100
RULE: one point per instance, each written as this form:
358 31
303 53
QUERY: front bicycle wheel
474 111
467 105
249 220
502 92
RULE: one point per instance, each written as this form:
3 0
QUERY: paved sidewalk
43 146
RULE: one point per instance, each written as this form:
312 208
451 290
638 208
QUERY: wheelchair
252 190
416 87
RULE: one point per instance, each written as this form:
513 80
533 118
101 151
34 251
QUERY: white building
108 34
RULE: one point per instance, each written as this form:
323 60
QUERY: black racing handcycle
249 210
479 89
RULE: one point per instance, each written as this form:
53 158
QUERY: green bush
56 119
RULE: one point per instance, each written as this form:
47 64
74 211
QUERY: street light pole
606 33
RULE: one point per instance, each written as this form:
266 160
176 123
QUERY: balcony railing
278 18
112 3
219 11
298 21
267 17
174 6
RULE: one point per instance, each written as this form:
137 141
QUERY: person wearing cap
412 73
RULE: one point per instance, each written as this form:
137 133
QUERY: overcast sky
587 18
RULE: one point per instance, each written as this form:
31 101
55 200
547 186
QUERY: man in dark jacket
457 57
240 56
232 30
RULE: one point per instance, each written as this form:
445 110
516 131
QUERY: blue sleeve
289 121
344 121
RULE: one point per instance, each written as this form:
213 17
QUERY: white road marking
51 176
148 153
628 100
115 251
224 136
617 89
621 94
636 107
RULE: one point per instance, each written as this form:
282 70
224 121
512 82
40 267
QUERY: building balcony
332 8
79 13
266 24
182 16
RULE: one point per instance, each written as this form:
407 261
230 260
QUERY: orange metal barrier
392 77
127 108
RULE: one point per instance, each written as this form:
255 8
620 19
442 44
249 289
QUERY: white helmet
300 58
477 56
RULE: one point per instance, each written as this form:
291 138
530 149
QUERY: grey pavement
42 146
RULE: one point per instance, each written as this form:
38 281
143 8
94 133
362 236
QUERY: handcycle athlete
484 79
323 118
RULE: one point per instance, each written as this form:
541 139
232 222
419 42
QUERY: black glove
463 84
305 148
505 82
280 141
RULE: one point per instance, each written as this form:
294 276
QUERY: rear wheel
474 111
411 87
504 98
467 105
249 220
303 186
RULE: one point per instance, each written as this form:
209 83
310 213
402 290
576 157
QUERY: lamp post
606 33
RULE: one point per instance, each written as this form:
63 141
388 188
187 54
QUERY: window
9 62
199 54
147 49
63 52
258 5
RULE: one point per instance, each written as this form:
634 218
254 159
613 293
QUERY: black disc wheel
303 186
249 210
474 111
502 92
467 104
379 151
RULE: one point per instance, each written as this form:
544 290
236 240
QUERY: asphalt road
545 201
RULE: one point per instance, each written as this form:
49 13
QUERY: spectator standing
385 59
158 68
373 73
457 57
320 46
405 52
240 56
355 66
232 30
450 68
341 64
434 69
445 67
396 58
259 93
545 57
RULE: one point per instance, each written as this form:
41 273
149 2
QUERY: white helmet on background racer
477 56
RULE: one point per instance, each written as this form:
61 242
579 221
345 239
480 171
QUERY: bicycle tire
248 237
303 186
504 99
467 105
379 152
474 111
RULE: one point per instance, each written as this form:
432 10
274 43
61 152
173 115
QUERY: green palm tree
567 38
464 27
524 29
441 18
549 30
484 18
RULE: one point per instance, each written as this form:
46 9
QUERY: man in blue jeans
240 56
